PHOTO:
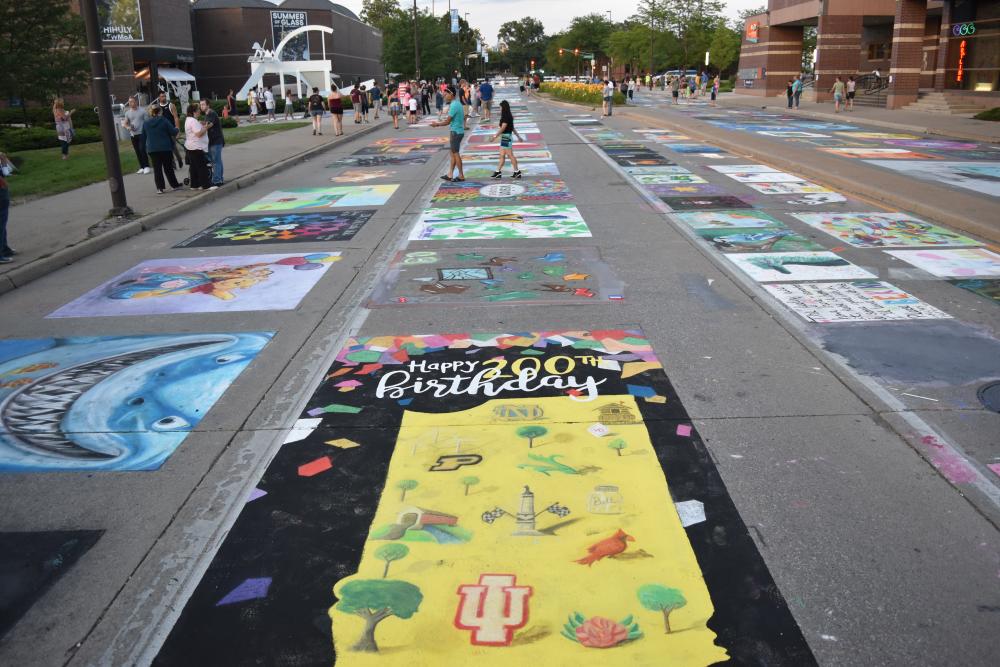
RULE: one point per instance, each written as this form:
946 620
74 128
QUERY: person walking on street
216 141
196 144
456 123
425 98
169 112
675 88
715 90
252 104
439 100
632 84
790 91
316 111
609 96
486 95
6 169
356 103
365 104
506 132
838 94
851 89
395 108
269 104
64 125
336 103
133 120
412 102
160 145
289 105
797 90
376 94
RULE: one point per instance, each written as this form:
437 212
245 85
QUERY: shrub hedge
42 117
29 138
581 93
990 114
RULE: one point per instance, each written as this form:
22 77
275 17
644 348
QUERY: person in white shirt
196 144
289 106
252 104
609 92
269 105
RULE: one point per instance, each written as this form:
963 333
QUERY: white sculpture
306 74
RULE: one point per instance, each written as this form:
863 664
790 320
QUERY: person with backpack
160 145
316 108
506 133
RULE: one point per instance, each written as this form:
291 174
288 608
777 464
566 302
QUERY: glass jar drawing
605 499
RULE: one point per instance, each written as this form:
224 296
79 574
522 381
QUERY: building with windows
903 49
226 30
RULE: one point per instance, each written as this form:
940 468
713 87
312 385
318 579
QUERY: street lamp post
416 42
101 95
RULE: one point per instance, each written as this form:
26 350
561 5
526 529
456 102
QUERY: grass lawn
44 173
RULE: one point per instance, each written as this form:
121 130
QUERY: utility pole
101 95
416 41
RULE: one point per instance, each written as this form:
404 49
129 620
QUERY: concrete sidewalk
51 232
919 122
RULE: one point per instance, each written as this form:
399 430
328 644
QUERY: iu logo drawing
493 609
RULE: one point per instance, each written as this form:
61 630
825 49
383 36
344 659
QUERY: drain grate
989 396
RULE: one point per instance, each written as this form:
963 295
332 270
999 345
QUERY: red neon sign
961 61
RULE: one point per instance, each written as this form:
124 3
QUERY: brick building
951 47
224 31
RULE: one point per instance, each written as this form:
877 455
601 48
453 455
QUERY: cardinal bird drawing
611 546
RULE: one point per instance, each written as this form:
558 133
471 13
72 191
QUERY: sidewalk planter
580 93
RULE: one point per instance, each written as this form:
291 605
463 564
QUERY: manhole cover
989 396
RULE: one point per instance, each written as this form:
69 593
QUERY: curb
42 266
942 215
957 134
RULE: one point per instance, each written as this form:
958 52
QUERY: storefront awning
166 73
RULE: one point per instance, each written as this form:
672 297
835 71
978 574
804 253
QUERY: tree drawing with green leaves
404 486
469 481
655 597
618 445
531 432
375 600
390 552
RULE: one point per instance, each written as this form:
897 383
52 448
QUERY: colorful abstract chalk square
785 266
516 497
327 197
111 402
478 276
492 155
956 263
500 222
857 301
883 230
728 219
498 192
380 160
281 228
697 202
981 177
694 148
756 239
763 177
989 288
880 153
791 187
204 285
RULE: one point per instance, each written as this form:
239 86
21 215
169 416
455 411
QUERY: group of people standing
459 99
154 132
694 86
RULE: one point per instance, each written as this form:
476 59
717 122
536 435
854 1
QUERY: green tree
375 600
525 40
377 12
42 50
469 481
655 597
390 552
618 445
404 486
692 23
724 48
531 432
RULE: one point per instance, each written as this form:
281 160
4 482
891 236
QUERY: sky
555 15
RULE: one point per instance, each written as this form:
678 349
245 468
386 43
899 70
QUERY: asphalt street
304 418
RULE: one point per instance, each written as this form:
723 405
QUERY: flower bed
580 93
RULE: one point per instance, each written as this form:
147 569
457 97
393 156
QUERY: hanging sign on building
752 32
120 20
963 29
283 23
962 51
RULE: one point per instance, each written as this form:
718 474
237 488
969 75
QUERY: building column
783 57
907 52
838 45
943 38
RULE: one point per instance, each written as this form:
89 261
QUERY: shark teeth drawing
33 416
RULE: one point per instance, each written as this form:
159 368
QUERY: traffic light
532 64
576 52
561 51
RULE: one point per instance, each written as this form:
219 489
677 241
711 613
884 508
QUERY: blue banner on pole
454 21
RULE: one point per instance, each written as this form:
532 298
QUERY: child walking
504 131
